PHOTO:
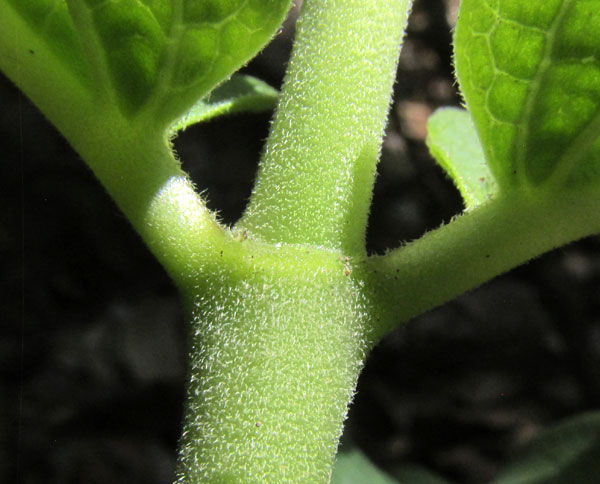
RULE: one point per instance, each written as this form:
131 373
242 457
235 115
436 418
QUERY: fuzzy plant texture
285 305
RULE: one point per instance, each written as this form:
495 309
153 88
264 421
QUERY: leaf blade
241 93
212 39
156 57
453 142
353 467
52 21
530 75
566 452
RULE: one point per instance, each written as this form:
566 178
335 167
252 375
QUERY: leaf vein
520 139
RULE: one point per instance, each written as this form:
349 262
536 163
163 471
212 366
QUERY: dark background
92 339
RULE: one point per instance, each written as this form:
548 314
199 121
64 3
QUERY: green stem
278 339
138 169
280 333
315 180
474 248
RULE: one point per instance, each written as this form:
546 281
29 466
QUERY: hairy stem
315 179
477 246
278 339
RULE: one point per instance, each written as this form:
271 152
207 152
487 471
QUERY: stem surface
315 179
475 247
278 339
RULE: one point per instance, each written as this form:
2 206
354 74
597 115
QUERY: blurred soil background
92 339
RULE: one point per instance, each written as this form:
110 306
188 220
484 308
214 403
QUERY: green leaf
414 474
530 75
52 21
566 453
162 55
453 142
353 467
241 93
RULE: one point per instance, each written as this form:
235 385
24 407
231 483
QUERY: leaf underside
166 52
453 142
568 452
241 93
530 76
354 467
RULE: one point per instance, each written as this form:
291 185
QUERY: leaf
353 467
165 54
453 142
413 474
241 93
568 452
51 19
530 75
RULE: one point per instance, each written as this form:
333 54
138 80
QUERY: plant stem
280 333
474 248
141 174
315 179
278 340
